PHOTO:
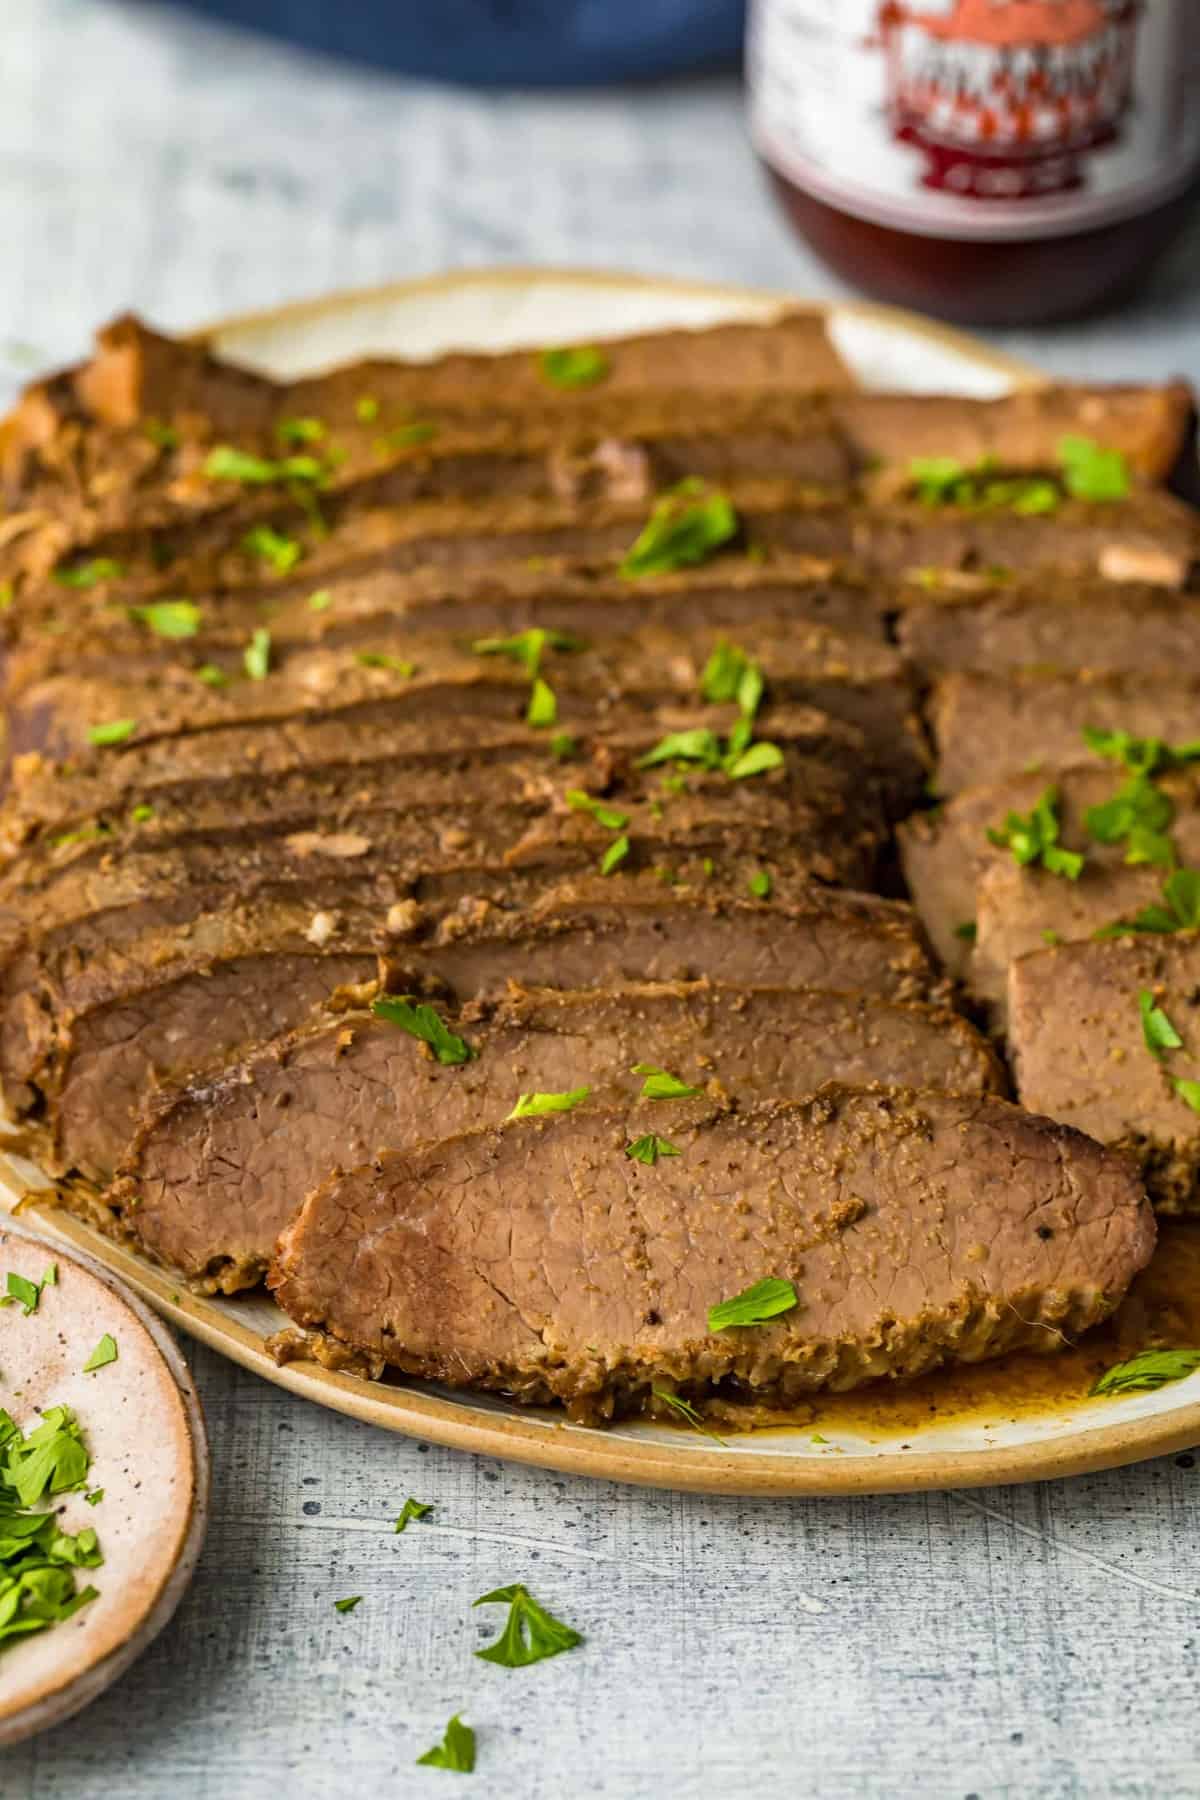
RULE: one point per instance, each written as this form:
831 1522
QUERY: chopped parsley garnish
212 675
944 481
114 731
256 657
563 747
403 437
754 1305
90 574
1147 1371
687 1413
366 409
700 745
935 478
456 1750
649 1148
421 1021
1138 815
1051 938
729 674
687 525
412 1509
615 855
348 1604
543 705
1157 1030
1142 756
164 436
104 1353
7 595
273 547
540 1106
300 431
530 1633
37 1586
660 1084
573 366
760 884
376 659
968 931
321 601
758 759
224 463
170 618
94 1497
608 816
1033 837
1188 1092
22 1292
1092 473
527 647
1181 911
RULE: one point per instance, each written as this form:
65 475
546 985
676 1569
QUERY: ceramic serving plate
871 1446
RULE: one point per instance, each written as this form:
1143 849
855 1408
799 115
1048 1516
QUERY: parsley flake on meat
1142 756
649 1148
300 431
527 647
456 1750
530 1633
754 1305
403 437
412 1509
760 884
573 366
114 731
543 704
321 601
90 574
615 855
1138 816
660 1084
1033 837
421 1021
541 1106
225 463
684 1410
1157 1030
729 674
1188 1092
1180 911
170 618
377 659
608 816
273 547
686 526
212 675
1147 1371
256 657
1092 473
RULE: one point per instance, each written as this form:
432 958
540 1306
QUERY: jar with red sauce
993 161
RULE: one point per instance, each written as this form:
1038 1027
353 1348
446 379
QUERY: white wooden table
1039 1642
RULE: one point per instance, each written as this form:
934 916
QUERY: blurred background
194 161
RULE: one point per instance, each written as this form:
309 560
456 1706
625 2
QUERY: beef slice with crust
216 1173
1079 1051
539 1259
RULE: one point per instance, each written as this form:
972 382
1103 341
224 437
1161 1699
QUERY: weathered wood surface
1041 1642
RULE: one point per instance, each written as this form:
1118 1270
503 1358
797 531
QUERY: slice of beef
1048 623
100 1060
1080 1055
985 726
958 877
863 683
215 1175
460 1260
48 800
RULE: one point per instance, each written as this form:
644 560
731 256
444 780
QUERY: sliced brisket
916 1228
215 1175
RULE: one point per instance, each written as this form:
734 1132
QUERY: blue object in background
505 42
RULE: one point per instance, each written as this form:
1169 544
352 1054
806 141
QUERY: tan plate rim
565 1448
63 1703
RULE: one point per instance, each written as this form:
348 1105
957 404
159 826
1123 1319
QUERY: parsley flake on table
605 815
1033 837
615 855
423 1022
104 1353
754 1305
573 366
540 1106
90 574
273 547
256 657
412 1509
649 1148
660 1084
1157 1030
686 526
1149 1370
456 1750
348 1604
113 731
530 1633
1091 472
170 618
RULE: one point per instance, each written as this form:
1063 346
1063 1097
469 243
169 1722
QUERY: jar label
985 119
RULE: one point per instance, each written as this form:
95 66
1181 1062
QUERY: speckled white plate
499 309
